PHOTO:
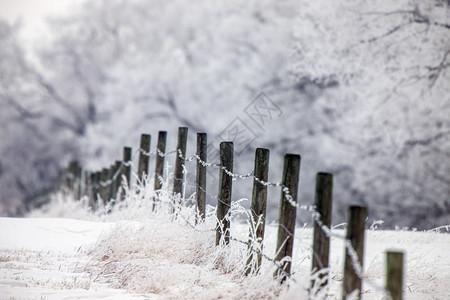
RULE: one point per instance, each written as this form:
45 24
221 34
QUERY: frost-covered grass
128 250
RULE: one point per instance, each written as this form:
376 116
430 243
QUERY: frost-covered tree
113 69
383 127
366 97
37 125
151 62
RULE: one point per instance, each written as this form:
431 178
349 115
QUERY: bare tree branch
79 127
436 71
26 115
90 95
169 101
420 18
23 112
410 144
388 33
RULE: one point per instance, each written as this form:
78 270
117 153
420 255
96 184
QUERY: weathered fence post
88 187
126 169
159 165
321 239
78 182
179 165
354 250
394 274
115 185
200 176
288 213
68 177
71 179
112 171
144 156
104 186
224 195
95 181
86 182
258 210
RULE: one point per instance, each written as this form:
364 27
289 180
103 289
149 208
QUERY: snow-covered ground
66 252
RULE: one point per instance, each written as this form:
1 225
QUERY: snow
30 233
132 253
41 258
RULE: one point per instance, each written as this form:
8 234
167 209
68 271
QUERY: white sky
32 13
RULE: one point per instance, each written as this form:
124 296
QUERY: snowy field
66 252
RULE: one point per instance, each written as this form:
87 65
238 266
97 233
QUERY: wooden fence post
200 177
394 274
65 180
95 181
110 187
72 177
78 182
103 185
288 213
224 195
68 177
86 182
87 187
159 165
258 210
356 223
115 184
113 171
179 164
321 240
127 165
144 156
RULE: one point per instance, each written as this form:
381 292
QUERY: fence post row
224 195
144 151
179 165
105 185
394 274
159 165
356 223
258 211
200 177
286 219
321 241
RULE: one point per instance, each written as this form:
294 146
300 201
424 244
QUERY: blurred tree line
363 86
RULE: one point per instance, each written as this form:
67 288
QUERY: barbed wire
357 266
113 177
235 176
249 244
279 264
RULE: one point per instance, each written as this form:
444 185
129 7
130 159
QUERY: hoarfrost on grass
155 254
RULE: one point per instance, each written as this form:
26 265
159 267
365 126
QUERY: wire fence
117 182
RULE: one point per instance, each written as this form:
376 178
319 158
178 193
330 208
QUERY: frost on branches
386 112
367 96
